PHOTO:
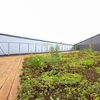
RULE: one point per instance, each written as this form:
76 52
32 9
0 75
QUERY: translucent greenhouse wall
20 45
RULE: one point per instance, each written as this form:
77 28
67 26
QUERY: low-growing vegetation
61 76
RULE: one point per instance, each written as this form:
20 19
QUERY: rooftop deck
9 76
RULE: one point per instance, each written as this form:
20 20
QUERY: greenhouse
10 44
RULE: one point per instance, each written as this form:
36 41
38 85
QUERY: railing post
35 48
65 46
62 47
19 48
28 48
47 47
68 47
8 48
41 48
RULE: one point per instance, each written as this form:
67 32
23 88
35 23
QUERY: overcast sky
68 21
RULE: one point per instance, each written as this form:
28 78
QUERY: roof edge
31 38
88 39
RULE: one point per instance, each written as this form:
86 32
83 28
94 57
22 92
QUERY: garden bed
67 76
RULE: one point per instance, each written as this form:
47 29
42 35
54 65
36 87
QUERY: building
93 41
10 44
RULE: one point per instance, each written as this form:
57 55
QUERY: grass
67 76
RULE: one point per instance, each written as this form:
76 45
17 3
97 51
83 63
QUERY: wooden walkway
9 76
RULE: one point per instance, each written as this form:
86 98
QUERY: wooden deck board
9 76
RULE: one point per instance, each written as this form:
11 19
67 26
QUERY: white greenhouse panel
4 48
32 48
23 48
13 48
38 48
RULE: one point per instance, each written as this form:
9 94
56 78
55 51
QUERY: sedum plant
66 76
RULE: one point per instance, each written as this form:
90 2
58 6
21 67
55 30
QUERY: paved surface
9 76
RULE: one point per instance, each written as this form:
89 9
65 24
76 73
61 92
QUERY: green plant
75 47
51 98
54 50
70 79
45 46
86 62
53 56
88 50
34 61
66 76
98 70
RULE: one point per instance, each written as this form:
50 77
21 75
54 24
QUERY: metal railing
8 48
